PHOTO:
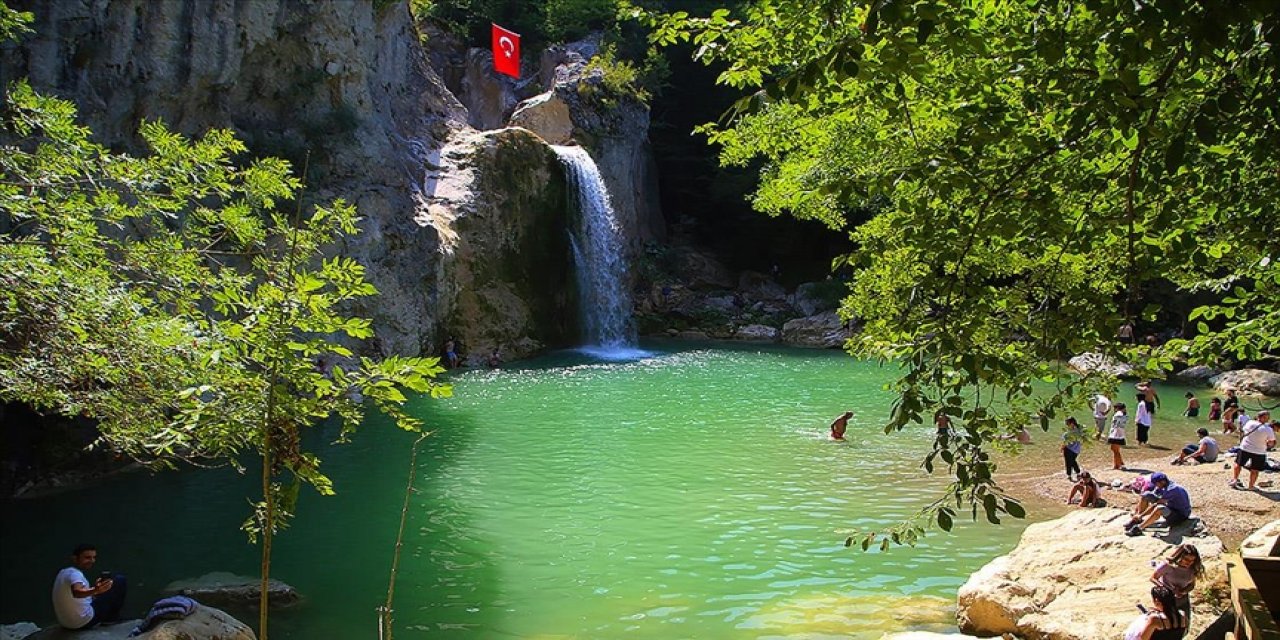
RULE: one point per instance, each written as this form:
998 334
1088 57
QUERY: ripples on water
691 494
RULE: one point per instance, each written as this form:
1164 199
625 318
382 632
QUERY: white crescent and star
508 47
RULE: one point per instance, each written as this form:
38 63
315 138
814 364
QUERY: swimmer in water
839 425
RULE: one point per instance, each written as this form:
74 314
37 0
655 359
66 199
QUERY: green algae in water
694 494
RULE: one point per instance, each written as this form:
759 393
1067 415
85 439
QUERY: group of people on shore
1256 434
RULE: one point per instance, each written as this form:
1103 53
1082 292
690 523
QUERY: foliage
619 79
566 20
170 299
1035 165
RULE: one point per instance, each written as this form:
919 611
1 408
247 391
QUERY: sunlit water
691 494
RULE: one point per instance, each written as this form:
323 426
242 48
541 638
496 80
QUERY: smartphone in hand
1142 609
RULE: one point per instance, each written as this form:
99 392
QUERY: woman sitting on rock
1162 622
1179 573
1087 488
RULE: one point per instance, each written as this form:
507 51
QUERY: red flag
506 51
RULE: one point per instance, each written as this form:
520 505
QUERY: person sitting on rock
1087 487
1204 451
1166 499
1163 621
1178 573
80 606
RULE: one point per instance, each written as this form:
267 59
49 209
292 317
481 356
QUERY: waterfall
601 263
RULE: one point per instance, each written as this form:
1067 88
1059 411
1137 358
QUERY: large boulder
205 623
505 274
823 331
1087 363
757 287
1197 375
546 115
756 333
228 589
701 271
1260 543
1249 382
1075 578
812 298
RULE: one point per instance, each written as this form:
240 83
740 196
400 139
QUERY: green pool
692 494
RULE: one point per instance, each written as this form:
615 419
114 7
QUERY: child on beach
1072 442
1116 437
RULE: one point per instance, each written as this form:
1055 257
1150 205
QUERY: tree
169 298
1035 166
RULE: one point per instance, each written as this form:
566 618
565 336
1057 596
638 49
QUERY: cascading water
600 261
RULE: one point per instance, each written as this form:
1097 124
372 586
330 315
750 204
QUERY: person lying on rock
1166 499
80 606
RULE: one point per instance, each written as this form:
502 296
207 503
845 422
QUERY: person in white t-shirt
1255 438
1101 414
80 606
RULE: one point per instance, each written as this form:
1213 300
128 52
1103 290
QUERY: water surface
692 494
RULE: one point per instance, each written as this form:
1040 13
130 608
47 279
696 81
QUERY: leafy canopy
170 299
1036 167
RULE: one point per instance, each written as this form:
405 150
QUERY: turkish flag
506 52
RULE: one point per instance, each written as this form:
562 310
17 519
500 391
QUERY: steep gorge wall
345 83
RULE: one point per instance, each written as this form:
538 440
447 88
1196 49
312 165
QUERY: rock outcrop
822 331
1087 363
1260 542
1199 374
344 84
229 590
1075 578
756 333
205 623
504 273
1249 382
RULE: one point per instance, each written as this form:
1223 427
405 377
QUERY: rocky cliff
461 232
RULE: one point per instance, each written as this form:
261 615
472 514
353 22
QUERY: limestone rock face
824 331
759 287
1252 382
345 82
1075 578
809 299
757 333
227 589
205 623
1199 374
504 265
1087 363
701 271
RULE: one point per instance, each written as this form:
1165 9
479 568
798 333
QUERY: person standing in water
1193 406
839 425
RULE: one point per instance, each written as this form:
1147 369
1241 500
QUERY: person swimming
839 425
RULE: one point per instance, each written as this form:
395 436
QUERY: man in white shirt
1205 451
1255 438
80 606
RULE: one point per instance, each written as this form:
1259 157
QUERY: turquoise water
693 494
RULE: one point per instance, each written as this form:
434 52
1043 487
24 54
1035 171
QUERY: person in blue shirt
1166 499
